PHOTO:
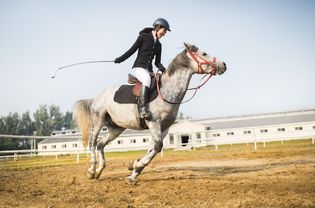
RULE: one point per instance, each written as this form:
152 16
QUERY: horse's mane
181 61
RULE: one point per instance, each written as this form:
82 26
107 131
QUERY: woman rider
148 46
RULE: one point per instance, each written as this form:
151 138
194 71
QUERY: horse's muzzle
221 70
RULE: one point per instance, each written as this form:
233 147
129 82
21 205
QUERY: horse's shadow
201 172
215 171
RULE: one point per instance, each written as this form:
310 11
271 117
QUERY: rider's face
160 33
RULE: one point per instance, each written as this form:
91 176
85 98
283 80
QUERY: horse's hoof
90 175
131 181
97 175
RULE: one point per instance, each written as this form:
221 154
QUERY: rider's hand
117 61
158 76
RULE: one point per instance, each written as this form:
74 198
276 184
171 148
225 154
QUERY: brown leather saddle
137 84
130 93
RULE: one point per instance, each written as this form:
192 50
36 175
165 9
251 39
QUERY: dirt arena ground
280 175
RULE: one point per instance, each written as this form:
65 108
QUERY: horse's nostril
224 64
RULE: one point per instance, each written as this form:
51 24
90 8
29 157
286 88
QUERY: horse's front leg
137 166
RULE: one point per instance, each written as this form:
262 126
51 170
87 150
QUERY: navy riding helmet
162 22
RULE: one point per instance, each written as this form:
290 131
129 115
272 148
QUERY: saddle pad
124 95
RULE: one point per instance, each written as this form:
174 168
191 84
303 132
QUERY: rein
200 71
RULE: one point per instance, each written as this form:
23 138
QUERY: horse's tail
83 118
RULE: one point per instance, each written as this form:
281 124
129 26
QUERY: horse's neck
174 87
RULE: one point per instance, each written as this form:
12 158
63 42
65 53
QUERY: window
73 132
171 139
313 127
198 135
281 129
44 147
230 133
63 132
64 146
120 142
132 141
215 135
208 128
74 145
145 140
247 132
53 146
54 133
298 128
263 130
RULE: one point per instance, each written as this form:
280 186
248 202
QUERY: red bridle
204 62
200 71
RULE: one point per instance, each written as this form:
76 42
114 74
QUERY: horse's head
202 63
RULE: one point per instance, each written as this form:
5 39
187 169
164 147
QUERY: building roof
259 120
129 132
60 140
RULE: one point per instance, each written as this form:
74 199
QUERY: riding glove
117 61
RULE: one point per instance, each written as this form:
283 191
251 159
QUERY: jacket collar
154 37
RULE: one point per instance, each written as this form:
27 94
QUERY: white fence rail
192 144
18 154
253 140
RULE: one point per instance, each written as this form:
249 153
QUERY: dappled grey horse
92 114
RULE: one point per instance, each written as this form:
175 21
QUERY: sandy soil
278 177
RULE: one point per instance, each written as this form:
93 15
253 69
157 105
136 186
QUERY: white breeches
143 76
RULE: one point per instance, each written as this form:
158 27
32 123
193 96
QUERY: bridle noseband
204 62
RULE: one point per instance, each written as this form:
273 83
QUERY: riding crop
87 62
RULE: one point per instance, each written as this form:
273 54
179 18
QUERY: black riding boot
143 103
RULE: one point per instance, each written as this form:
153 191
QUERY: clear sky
268 46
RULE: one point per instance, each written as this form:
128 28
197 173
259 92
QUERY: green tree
56 119
68 120
10 125
26 127
45 120
2 125
42 121
180 116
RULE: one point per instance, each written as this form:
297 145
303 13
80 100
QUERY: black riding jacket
147 50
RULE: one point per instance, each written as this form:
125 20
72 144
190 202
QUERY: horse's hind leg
97 126
113 133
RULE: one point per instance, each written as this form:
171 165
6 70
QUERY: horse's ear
187 46
190 47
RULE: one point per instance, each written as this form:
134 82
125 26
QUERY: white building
202 132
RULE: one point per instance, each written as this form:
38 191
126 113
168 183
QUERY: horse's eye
204 53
